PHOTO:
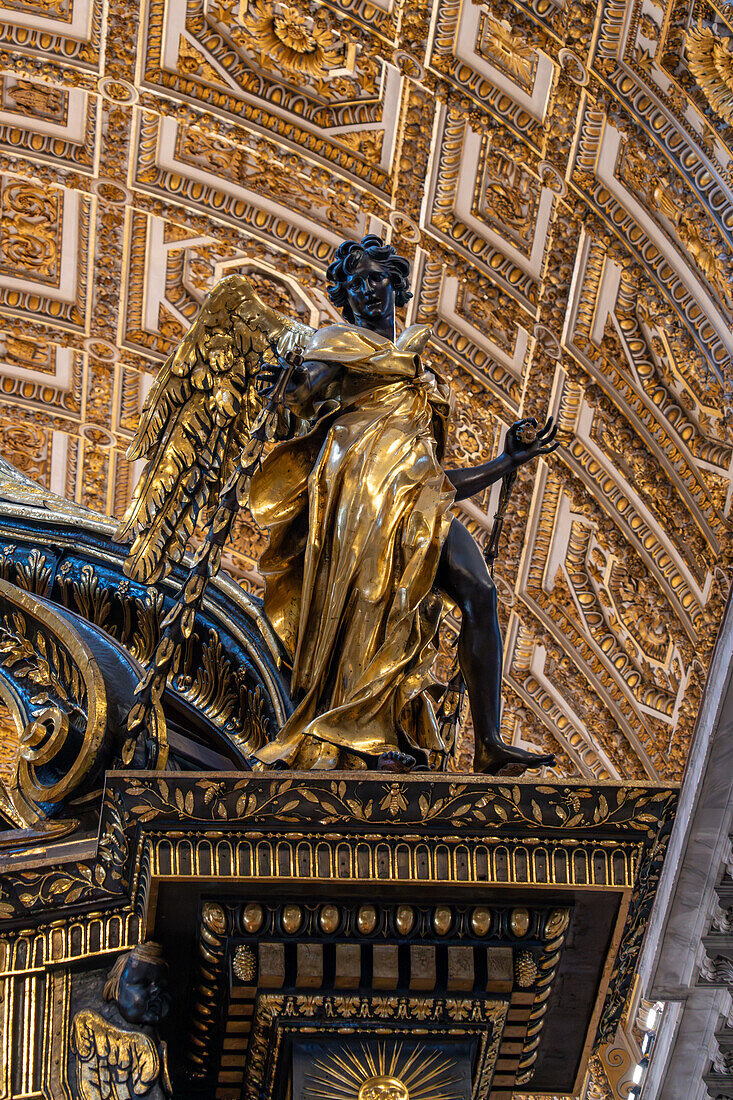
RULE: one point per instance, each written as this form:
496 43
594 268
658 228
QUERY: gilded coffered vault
560 175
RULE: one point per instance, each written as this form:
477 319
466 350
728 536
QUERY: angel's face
143 997
370 293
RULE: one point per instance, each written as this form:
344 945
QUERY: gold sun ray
371 1063
396 1054
342 1085
352 1066
419 1078
409 1071
334 1090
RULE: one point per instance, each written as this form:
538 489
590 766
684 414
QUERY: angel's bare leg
465 579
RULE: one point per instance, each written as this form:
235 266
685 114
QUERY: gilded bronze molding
445 846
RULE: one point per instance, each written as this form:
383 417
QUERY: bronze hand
524 441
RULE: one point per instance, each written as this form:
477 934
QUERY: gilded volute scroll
67 687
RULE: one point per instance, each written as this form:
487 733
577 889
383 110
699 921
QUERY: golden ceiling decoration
288 41
568 263
711 63
506 50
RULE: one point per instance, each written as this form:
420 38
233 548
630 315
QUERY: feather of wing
195 421
112 1056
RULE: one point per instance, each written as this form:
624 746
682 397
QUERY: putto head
372 251
138 984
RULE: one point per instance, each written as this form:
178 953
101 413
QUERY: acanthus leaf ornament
711 62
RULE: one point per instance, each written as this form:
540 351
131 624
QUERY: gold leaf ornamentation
711 63
289 40
506 50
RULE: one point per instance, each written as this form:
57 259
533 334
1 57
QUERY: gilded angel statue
364 540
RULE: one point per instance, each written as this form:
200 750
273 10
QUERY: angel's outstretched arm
477 478
473 480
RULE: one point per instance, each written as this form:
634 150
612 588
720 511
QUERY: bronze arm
309 378
523 443
476 478
308 381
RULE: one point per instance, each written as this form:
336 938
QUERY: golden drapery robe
358 509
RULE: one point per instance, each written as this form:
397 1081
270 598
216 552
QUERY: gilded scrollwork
633 935
70 885
233 694
29 217
52 680
667 196
277 173
500 807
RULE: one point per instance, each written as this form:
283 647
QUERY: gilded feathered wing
115 1063
196 420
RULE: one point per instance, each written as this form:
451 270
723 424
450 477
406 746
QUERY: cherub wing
196 418
112 1062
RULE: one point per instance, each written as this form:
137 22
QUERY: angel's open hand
525 441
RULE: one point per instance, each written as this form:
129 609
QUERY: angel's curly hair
348 255
144 952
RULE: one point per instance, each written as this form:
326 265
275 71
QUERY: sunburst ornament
379 1072
384 1088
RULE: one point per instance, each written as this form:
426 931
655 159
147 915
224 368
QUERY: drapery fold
358 509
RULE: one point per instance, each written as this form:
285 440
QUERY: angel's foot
397 762
501 759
